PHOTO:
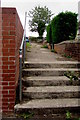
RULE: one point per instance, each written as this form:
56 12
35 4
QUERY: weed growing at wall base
25 115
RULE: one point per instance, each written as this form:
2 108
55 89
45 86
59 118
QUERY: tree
41 28
40 17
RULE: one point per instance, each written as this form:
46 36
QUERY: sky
56 6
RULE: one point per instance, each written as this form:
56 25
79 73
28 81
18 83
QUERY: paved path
39 54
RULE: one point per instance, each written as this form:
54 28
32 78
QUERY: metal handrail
22 51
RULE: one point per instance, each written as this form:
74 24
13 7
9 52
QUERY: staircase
47 93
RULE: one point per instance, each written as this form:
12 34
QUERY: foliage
25 115
67 56
72 75
53 50
68 115
49 35
64 27
40 16
41 28
44 46
28 44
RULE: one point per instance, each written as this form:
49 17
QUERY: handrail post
20 75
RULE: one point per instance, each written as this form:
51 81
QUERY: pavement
36 53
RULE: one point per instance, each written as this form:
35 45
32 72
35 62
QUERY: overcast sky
55 6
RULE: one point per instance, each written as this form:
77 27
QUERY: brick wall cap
68 41
9 10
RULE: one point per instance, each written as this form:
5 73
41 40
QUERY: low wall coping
69 41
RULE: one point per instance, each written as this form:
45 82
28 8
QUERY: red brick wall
69 48
0 61
12 32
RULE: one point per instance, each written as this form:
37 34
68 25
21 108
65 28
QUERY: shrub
64 27
49 35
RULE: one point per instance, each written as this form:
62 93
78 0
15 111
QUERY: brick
0 82
11 106
5 33
8 71
6 28
12 83
4 67
9 46
5 50
9 63
0 35
9 37
12 33
8 95
13 24
0 91
12 41
0 71
5 103
0 105
5 41
5 16
0 50
5 91
4 110
0 95
8 20
5 107
8 54
12 67
12 99
7 111
12 75
5 23
4 83
9 79
12 50
12 58
4 99
0 67
8 87
5 58
0 41
0 62
0 75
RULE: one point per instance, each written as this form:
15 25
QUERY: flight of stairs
47 93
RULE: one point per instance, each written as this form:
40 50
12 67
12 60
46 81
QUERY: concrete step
48 81
48 72
52 92
57 64
48 106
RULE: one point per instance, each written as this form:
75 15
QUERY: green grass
44 46
67 56
69 116
28 44
25 115
53 50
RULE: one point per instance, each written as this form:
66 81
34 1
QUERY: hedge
62 27
49 35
